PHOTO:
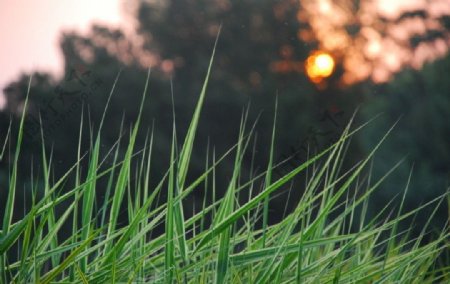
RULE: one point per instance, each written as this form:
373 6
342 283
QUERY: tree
421 102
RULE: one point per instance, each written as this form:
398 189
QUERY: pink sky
29 32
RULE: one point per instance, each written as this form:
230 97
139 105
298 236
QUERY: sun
319 66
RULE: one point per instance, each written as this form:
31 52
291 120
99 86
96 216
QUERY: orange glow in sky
373 49
30 33
319 66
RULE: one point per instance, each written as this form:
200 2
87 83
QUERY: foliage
254 35
421 102
326 238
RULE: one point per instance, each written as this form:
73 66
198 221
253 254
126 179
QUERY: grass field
327 238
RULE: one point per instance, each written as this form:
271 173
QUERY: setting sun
319 65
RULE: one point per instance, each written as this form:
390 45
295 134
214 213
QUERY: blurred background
322 59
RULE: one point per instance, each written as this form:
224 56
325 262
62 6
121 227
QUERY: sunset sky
379 49
30 31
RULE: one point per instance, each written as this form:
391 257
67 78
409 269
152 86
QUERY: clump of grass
315 243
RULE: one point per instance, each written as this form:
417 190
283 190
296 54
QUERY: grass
326 238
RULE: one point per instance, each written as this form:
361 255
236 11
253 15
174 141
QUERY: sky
30 32
379 49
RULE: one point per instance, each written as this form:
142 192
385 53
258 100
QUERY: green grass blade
124 171
268 179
